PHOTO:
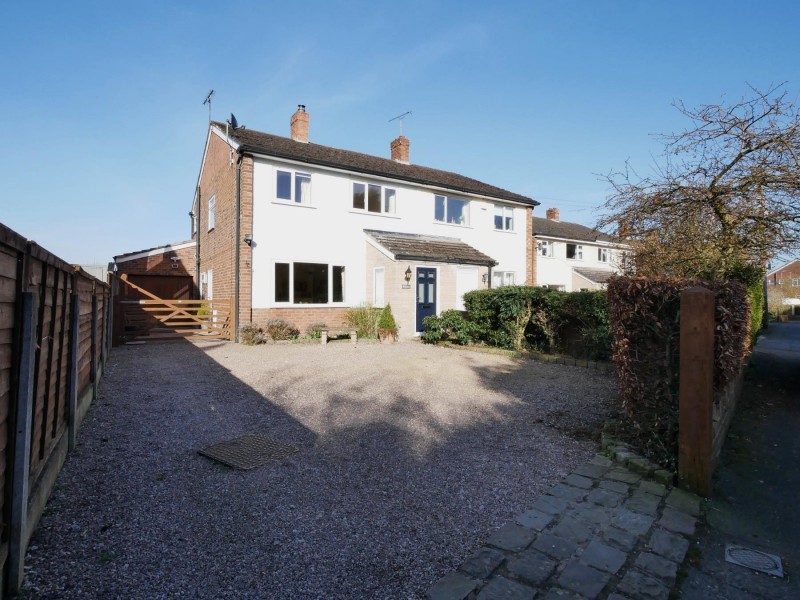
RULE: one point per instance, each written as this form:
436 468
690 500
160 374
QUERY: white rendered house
572 257
300 231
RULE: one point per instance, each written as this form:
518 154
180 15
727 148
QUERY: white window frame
212 212
291 302
384 196
445 220
602 255
544 248
795 281
379 287
294 176
578 251
506 278
506 214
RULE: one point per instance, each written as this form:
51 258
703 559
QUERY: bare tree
727 193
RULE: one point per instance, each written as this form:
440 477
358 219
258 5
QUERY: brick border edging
621 453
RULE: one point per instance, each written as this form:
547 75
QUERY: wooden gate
154 319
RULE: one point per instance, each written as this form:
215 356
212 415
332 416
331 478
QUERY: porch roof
429 248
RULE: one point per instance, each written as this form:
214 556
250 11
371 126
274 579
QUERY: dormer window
374 198
451 210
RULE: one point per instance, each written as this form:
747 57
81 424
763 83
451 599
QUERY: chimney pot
400 149
299 124
552 214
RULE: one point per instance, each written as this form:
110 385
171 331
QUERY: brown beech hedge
644 316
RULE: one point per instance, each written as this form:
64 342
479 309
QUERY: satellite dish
234 123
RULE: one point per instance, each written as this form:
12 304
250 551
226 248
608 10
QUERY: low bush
387 327
364 318
251 335
314 331
279 329
450 326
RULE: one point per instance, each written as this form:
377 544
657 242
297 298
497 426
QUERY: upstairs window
544 249
504 218
212 209
602 254
374 198
451 210
574 252
293 186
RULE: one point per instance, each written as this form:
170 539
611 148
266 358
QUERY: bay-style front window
309 283
293 186
451 210
374 198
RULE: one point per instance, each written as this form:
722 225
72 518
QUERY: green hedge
523 317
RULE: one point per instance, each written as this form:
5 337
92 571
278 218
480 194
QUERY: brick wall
530 249
161 264
300 317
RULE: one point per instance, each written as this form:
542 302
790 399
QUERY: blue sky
104 122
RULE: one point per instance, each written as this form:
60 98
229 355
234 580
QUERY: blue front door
426 294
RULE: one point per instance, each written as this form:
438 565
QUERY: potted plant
387 328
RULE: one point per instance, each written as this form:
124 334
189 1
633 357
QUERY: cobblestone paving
602 532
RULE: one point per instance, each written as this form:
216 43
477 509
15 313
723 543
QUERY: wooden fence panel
49 282
12 249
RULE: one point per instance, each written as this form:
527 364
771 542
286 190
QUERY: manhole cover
248 452
754 559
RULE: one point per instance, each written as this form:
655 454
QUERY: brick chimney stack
552 214
400 149
299 124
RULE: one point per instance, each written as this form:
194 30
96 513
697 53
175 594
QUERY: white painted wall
557 269
330 231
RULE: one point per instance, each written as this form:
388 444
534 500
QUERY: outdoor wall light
248 239
485 277
408 275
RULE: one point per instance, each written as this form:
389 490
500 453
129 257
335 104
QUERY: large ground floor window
309 283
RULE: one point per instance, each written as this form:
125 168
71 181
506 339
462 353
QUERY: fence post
695 428
74 335
94 345
22 446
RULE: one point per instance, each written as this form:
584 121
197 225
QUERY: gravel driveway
409 457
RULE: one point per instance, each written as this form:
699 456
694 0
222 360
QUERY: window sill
300 306
356 211
511 231
453 225
297 204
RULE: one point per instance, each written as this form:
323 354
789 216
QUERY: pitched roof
282 147
409 246
595 275
570 231
154 250
788 265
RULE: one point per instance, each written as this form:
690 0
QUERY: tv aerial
401 118
209 95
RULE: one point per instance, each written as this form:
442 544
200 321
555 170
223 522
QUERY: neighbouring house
167 271
783 290
572 257
296 230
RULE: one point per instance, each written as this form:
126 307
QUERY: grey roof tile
570 231
315 154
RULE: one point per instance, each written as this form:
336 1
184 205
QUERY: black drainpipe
238 241
196 219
